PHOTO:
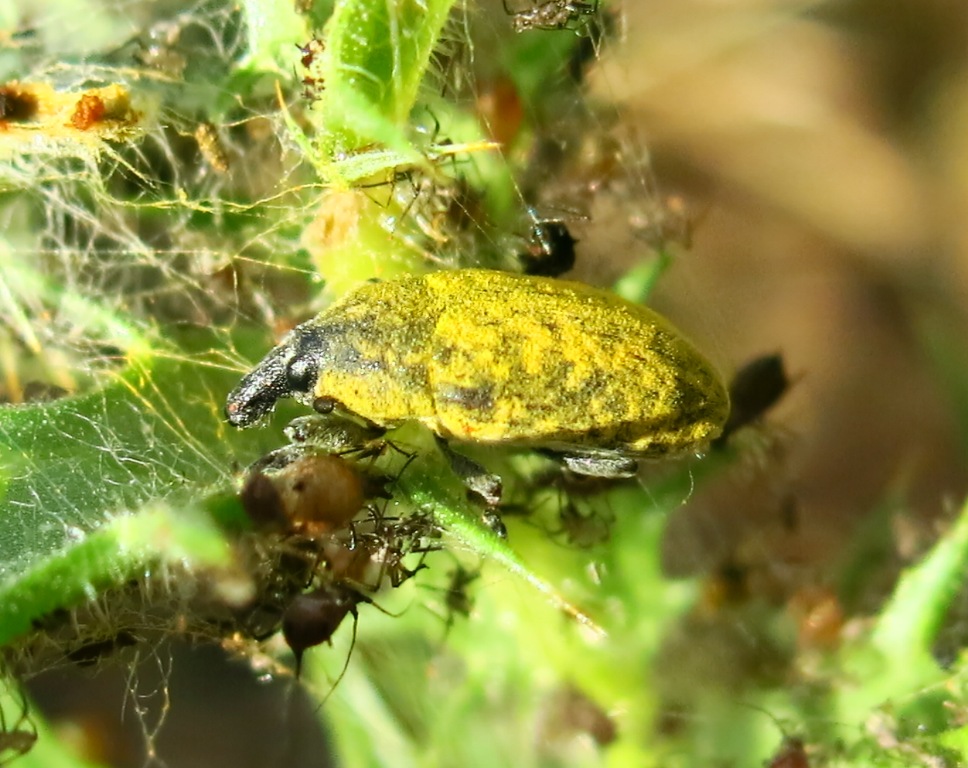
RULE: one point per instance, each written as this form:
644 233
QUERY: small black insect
91 653
551 14
754 389
312 619
588 47
17 105
552 250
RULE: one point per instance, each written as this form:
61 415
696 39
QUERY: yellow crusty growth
492 357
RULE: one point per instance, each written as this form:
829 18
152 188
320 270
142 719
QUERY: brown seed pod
314 494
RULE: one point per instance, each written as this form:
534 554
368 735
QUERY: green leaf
374 60
909 623
95 487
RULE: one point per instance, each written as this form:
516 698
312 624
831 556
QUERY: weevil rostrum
494 358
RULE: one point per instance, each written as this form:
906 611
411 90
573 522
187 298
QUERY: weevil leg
279 458
472 474
329 408
493 520
608 465
342 434
310 429
333 432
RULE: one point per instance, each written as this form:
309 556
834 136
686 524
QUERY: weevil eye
301 374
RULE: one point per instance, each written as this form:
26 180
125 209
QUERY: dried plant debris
36 118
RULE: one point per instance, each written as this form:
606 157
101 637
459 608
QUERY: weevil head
289 370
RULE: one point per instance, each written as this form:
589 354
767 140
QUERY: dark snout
256 394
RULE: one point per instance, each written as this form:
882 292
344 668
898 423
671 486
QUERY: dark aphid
52 621
456 598
550 15
91 653
289 570
552 251
584 518
311 619
755 388
584 529
17 105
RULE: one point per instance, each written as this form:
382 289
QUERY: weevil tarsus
477 479
613 466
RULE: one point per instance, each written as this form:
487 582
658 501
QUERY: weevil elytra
488 357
